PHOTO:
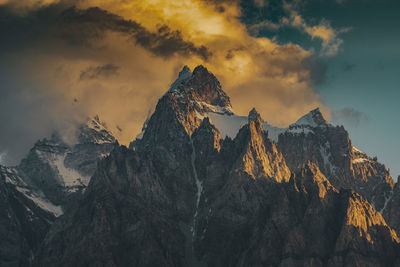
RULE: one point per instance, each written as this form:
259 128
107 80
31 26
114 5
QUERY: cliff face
312 139
184 195
25 218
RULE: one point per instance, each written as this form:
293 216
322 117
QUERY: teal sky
363 76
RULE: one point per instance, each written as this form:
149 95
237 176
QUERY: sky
64 60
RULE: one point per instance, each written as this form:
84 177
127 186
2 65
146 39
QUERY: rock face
391 208
48 181
312 139
25 217
186 194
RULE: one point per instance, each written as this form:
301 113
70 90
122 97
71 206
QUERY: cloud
329 36
103 71
323 31
73 50
23 7
349 116
78 26
266 24
27 3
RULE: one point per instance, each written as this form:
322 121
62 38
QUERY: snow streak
199 186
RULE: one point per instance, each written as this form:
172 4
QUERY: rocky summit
200 186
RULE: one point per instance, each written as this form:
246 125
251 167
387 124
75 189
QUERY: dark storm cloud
349 116
103 71
80 27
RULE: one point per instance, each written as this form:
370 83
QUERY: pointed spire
201 70
318 117
205 87
313 119
184 70
184 77
254 115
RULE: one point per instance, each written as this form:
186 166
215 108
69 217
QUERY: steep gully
190 254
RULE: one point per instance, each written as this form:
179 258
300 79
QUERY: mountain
313 139
202 186
60 169
46 183
25 218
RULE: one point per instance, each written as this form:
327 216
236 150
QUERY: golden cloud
255 72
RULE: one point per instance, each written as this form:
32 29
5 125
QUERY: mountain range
200 186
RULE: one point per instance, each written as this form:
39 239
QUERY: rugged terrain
49 181
201 186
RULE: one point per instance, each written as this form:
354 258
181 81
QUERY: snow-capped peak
312 119
183 77
95 131
254 115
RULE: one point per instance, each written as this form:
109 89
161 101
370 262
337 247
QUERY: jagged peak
260 158
201 70
208 134
207 125
315 180
96 124
184 76
184 70
95 131
312 119
362 215
312 169
200 86
255 120
254 115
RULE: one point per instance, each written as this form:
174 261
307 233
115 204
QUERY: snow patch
306 120
12 177
213 108
299 130
68 177
184 76
41 201
387 199
325 154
